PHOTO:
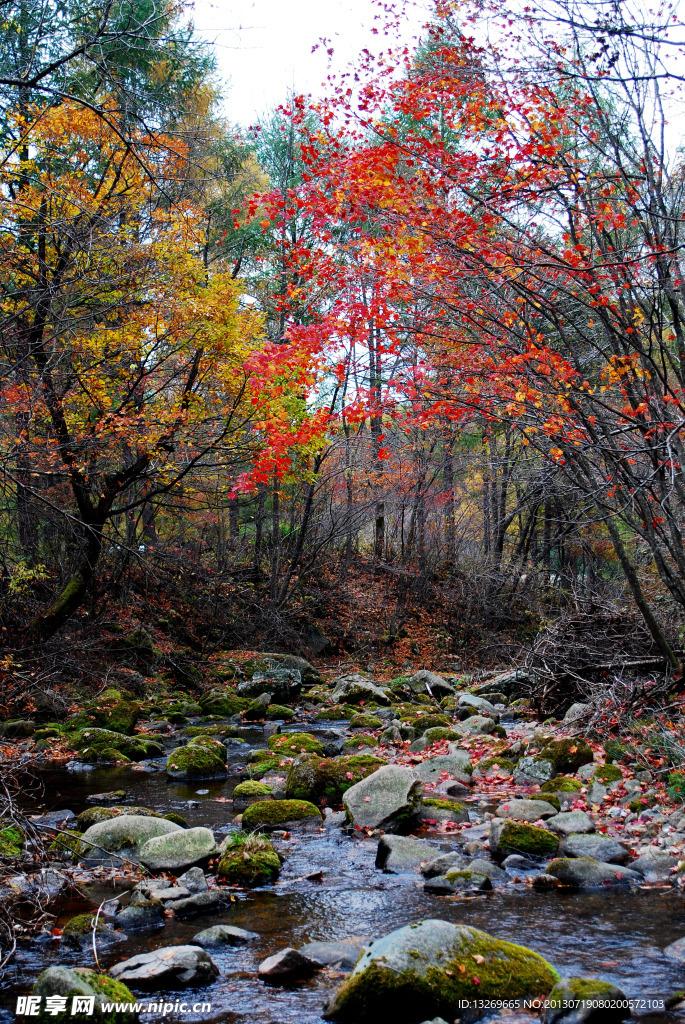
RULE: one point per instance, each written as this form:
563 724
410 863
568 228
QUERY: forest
342 578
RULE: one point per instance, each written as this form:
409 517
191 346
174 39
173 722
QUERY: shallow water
616 936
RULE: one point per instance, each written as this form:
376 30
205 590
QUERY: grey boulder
526 810
569 822
443 864
401 853
171 967
583 873
340 955
287 965
654 865
429 682
533 771
123 835
223 935
390 799
445 767
597 847
353 688
178 850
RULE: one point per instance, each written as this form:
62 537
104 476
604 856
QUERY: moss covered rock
428 969
586 1001
252 789
223 703
294 743
63 981
357 742
195 761
324 780
114 714
249 860
66 844
425 722
216 747
568 755
93 815
562 784
365 721
265 765
11 840
279 813
608 773
521 837
17 728
102 745
126 832
279 713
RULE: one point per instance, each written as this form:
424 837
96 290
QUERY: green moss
11 841
251 788
561 784
192 731
264 765
278 812
222 703
194 762
325 780
105 988
331 714
641 803
549 798
66 843
177 819
496 762
520 837
425 722
362 740
502 970
278 712
249 861
294 743
97 745
444 805
365 721
209 743
568 755
113 713
438 733
608 773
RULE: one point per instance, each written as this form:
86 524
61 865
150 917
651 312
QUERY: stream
613 935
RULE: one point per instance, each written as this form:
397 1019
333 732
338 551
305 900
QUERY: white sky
264 46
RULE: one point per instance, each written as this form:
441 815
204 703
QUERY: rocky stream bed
284 812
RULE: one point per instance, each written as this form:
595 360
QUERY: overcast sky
264 46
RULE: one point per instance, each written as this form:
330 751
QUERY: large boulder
355 688
585 1001
283 684
123 835
508 836
178 850
569 822
429 682
118 715
195 761
389 799
430 968
79 981
249 860
103 746
324 780
444 767
583 873
171 967
292 744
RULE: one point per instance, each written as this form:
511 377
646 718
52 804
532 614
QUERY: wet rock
515 862
655 865
389 799
202 903
597 793
445 885
354 688
533 771
195 761
526 810
17 728
545 882
480 704
179 850
78 932
443 864
223 935
64 819
441 767
596 847
429 682
507 836
171 967
146 916
114 796
569 822
193 880
414 972
125 834
46 882
79 981
320 779
485 867
401 853
585 1001
477 725
287 965
568 755
676 950
341 955
583 873
443 810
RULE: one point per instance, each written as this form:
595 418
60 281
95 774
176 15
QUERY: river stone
354 688
676 950
467 700
445 885
508 836
202 903
654 864
597 793
586 994
126 833
339 955
194 880
389 799
413 973
178 851
477 725
533 771
569 822
486 867
287 965
440 768
596 847
141 917
223 935
526 810
171 967
429 682
582 873
443 864
80 981
401 853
